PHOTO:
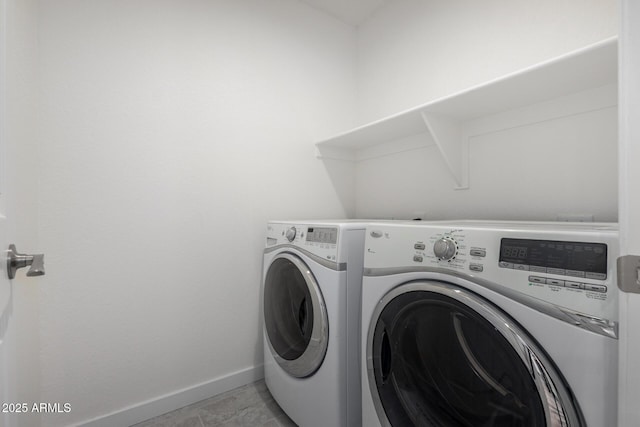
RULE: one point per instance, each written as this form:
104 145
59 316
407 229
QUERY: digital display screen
322 235
573 256
515 252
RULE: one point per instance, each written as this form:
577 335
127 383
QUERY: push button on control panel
573 285
595 288
420 246
478 252
476 267
418 258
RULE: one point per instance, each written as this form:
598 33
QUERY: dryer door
440 355
295 316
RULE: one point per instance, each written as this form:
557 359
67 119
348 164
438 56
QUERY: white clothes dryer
312 279
489 324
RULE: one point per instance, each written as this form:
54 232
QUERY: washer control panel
568 265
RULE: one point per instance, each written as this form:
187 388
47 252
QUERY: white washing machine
312 279
489 324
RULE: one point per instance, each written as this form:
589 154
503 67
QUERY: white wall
414 51
170 132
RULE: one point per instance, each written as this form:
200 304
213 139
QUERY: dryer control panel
568 264
320 240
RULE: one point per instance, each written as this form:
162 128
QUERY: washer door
440 355
295 316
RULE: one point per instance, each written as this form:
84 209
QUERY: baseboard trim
172 401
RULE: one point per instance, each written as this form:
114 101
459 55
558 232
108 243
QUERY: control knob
445 249
290 234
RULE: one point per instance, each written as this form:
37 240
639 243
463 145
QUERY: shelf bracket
453 147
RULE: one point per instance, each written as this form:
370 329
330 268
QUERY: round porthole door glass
438 362
295 316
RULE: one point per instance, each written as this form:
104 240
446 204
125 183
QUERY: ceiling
353 12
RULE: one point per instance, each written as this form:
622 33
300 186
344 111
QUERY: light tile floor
247 406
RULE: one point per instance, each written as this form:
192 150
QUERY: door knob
16 261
